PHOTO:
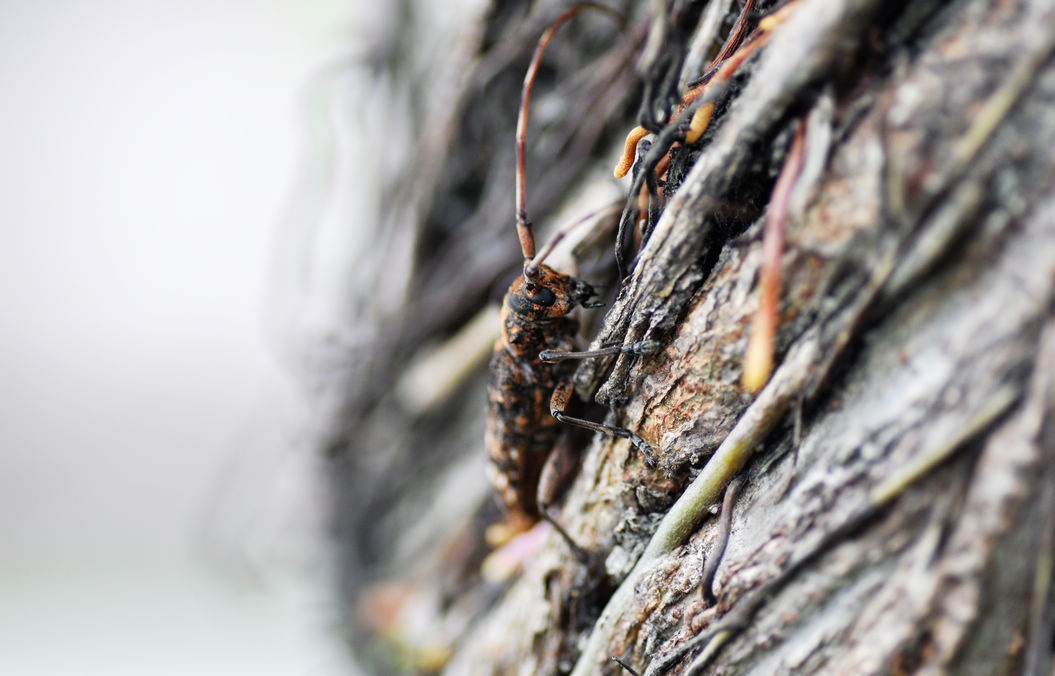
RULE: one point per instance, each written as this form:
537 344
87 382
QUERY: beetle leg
559 402
560 465
644 347
581 555
559 468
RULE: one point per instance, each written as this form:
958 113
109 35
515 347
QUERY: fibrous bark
897 501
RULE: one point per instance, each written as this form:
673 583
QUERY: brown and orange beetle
530 372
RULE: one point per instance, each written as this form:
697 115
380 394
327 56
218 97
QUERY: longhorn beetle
530 367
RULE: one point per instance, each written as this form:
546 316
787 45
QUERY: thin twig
725 525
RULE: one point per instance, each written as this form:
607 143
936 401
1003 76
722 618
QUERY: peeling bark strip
896 512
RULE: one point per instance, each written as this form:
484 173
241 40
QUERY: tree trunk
896 502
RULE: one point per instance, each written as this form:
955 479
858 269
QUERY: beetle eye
544 297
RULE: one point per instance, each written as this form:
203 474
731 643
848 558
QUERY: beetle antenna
531 266
525 229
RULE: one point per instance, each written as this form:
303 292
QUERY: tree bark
896 509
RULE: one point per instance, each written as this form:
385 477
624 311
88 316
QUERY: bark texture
896 510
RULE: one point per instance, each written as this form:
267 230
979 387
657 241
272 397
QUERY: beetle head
548 294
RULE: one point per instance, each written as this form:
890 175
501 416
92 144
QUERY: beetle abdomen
520 432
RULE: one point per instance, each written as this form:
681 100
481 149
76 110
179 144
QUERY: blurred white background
159 509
